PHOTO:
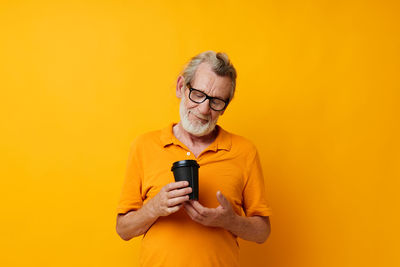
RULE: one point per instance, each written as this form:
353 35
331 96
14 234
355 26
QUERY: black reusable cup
188 170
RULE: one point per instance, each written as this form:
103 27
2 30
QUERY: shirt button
188 153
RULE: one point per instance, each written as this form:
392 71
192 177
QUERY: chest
196 150
217 172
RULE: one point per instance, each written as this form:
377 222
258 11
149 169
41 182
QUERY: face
200 119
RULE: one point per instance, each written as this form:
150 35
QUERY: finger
199 208
176 185
177 200
174 209
193 214
222 200
179 192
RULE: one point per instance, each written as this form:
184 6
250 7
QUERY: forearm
256 228
136 223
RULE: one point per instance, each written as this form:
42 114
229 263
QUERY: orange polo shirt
230 164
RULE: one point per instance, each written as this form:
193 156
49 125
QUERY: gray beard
194 128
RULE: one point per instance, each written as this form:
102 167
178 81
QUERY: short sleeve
131 197
254 195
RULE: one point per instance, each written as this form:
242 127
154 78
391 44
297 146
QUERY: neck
192 140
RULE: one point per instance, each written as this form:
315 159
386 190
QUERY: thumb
222 200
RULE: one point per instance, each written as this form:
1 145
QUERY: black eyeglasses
198 97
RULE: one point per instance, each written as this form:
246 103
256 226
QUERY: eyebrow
226 100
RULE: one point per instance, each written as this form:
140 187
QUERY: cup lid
185 163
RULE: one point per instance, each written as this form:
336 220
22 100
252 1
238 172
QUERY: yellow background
318 93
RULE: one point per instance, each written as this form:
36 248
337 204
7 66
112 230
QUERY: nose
204 108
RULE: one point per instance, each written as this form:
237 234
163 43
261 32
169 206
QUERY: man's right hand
170 199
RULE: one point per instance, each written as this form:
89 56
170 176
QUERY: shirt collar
223 140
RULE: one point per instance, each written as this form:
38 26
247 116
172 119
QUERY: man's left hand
222 216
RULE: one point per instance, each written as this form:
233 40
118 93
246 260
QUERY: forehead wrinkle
207 81
209 92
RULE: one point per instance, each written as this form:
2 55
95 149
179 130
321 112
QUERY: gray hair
220 64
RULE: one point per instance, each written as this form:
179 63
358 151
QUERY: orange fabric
230 164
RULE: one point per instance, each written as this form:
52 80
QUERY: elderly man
232 203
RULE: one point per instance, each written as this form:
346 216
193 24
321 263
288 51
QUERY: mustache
199 115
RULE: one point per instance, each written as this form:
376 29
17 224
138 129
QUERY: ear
180 83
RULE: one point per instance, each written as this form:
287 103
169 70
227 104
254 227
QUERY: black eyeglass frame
210 98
